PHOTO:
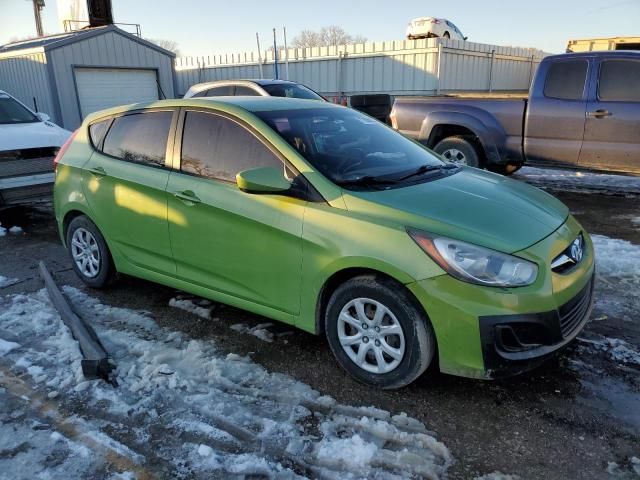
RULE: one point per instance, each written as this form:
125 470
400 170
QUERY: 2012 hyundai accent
321 217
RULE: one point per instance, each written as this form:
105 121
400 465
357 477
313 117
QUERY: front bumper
486 332
512 344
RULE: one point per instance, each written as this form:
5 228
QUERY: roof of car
248 104
260 104
597 54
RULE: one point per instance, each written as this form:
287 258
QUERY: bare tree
326 36
170 45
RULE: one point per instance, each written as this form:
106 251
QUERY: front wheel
377 332
458 150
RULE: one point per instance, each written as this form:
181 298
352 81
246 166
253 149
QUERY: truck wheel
458 150
377 332
90 256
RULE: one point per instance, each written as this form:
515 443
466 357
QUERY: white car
263 88
427 27
28 144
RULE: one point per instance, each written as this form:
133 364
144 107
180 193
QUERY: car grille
27 161
572 313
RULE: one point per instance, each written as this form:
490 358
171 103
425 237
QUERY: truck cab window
566 79
619 81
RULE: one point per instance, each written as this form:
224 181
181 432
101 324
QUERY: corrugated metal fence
402 67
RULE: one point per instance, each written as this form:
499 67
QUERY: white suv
28 144
427 27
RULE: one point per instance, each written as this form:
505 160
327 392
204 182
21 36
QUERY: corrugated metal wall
402 67
107 50
24 76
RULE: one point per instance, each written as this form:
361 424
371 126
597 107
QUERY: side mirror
263 180
43 117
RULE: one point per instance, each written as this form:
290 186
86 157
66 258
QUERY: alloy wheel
456 156
85 252
371 335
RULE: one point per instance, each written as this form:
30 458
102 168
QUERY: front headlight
474 264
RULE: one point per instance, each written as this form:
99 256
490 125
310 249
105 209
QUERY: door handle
601 113
187 196
98 171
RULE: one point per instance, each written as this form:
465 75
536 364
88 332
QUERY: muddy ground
567 419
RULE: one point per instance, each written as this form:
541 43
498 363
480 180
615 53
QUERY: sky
207 27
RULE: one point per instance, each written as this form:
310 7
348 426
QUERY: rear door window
216 147
619 81
223 91
566 80
139 137
241 90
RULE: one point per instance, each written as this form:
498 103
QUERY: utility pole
38 5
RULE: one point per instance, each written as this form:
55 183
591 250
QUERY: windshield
13 112
347 146
291 90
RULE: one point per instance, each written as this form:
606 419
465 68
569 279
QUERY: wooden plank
95 363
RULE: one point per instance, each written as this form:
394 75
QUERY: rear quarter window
97 131
139 137
566 80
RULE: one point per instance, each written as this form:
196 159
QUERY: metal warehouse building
73 74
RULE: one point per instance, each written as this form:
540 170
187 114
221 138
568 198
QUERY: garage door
100 88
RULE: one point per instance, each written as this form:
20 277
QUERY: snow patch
3 231
6 347
15 229
497 476
575 180
7 282
259 331
616 257
204 414
616 349
201 309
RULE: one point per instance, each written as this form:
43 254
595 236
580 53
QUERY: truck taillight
63 149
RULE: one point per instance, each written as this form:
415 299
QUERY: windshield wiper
366 181
422 169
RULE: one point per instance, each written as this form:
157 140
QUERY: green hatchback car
321 217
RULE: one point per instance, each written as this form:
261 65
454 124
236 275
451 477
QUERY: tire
398 308
459 150
84 238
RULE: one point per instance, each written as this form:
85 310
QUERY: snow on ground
7 282
498 476
618 277
181 407
618 350
569 179
198 306
15 229
3 231
260 331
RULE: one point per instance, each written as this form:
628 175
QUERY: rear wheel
90 256
377 333
458 150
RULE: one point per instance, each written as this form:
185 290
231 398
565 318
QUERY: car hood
472 205
31 135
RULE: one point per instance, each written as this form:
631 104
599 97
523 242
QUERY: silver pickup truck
583 110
